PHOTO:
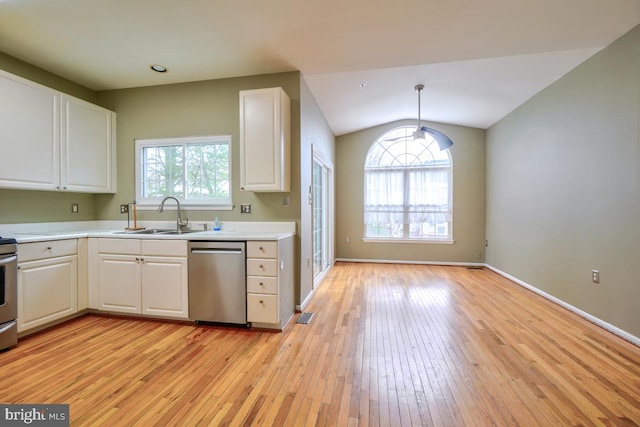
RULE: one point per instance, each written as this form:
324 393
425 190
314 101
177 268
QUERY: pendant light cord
419 89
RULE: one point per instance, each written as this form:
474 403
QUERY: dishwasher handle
216 251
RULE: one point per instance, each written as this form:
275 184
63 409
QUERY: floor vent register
305 318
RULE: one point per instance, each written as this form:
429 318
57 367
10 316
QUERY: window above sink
196 170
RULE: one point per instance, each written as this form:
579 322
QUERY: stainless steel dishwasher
217 282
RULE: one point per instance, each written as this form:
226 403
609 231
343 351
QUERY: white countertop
230 231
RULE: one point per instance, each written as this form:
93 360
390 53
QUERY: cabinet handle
48 248
141 259
262 266
261 302
261 248
261 284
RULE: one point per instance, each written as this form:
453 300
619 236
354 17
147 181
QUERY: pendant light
419 135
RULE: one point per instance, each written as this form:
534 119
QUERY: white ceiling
479 59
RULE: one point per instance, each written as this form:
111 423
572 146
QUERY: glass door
321 220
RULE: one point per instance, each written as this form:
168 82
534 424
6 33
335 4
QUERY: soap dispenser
216 224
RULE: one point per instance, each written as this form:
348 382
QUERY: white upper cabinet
88 148
265 140
54 141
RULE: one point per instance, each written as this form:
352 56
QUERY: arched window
407 188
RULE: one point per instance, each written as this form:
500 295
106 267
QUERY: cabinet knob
261 284
262 266
261 302
48 248
261 248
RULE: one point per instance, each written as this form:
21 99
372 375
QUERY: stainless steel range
8 293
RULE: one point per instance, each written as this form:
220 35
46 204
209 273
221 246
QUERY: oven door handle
6 327
9 260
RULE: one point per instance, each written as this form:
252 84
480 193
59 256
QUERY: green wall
468 156
38 75
563 187
316 136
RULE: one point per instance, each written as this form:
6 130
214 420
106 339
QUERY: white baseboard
304 303
393 261
609 327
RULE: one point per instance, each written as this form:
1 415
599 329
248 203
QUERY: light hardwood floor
388 345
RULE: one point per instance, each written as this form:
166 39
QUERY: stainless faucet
180 224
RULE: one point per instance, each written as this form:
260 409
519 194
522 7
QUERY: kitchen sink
180 231
158 231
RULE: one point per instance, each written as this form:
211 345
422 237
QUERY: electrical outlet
245 208
595 276
74 208
124 208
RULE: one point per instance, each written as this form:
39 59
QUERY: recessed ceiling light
363 84
158 68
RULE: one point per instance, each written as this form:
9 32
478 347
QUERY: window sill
425 241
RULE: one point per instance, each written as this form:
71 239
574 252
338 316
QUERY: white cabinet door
47 291
88 147
119 283
29 131
265 140
164 287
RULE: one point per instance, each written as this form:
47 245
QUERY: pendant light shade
443 140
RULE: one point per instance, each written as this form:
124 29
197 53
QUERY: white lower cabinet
140 276
270 283
47 282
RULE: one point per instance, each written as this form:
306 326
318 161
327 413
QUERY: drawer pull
261 284
262 266
261 248
261 302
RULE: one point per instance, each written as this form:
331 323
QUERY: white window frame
151 203
406 239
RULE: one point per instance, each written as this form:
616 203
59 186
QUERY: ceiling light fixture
158 68
420 134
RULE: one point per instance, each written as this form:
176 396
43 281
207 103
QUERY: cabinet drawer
49 249
262 267
262 285
119 246
262 308
262 249
164 247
